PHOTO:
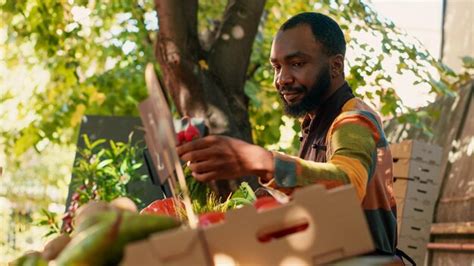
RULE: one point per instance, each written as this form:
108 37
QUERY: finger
189 146
205 177
203 166
215 174
197 144
198 155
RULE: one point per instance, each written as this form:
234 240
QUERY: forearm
353 155
292 171
260 162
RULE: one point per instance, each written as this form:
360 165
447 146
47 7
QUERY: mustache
292 89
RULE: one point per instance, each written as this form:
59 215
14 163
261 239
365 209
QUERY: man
342 138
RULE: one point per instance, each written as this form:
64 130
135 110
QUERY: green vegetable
106 235
136 227
204 200
30 259
106 216
198 191
90 246
242 196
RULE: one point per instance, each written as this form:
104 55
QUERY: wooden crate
411 189
415 248
416 209
416 170
417 150
415 228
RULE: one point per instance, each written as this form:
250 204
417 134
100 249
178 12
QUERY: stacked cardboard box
416 169
317 226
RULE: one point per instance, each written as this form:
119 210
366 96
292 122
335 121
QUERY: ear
336 64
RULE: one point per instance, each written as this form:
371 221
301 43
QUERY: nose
284 77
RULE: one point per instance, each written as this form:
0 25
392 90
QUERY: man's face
301 70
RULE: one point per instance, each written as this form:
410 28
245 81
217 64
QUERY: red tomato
181 137
209 218
191 133
163 207
265 202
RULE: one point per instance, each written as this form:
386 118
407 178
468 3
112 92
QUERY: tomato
163 207
187 135
209 218
191 133
181 137
265 202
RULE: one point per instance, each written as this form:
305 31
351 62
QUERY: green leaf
123 166
244 192
136 166
441 87
113 146
104 163
251 90
96 143
468 62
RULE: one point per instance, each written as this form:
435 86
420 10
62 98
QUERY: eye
276 67
297 64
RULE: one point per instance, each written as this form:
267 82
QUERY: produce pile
101 230
95 232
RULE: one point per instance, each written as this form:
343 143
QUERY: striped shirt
354 151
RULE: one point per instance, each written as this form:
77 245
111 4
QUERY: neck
335 85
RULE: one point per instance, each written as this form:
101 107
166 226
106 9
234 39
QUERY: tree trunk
206 78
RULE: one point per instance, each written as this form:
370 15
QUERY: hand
219 157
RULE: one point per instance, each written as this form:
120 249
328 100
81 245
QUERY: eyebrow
290 56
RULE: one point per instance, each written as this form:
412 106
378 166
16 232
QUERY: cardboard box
416 170
325 239
417 150
321 221
416 190
182 246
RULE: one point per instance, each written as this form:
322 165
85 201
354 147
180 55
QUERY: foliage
244 195
198 191
39 182
468 65
102 173
205 200
50 220
95 53
210 202
468 62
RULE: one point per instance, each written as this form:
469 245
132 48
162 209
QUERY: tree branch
233 44
177 50
230 54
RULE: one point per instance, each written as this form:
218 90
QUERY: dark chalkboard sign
118 129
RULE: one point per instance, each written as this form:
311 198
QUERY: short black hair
324 28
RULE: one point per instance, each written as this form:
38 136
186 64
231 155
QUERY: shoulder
356 111
357 105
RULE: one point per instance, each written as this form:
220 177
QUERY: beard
313 97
